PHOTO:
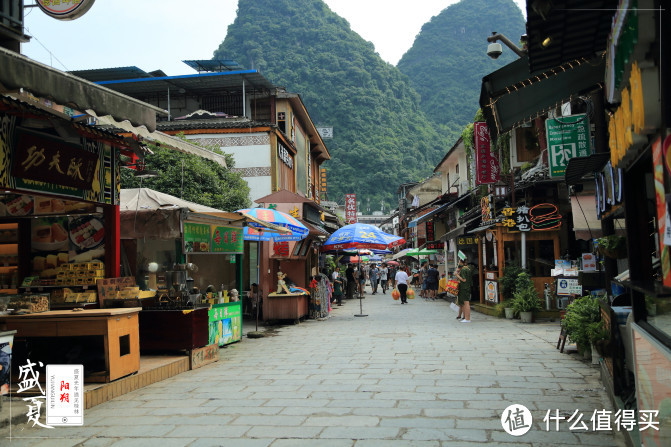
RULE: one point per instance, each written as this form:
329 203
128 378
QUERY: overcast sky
159 34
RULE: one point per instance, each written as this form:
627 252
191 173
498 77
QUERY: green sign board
227 240
568 137
197 237
225 321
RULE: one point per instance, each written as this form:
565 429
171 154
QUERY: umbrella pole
360 314
258 279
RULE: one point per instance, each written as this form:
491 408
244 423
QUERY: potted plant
507 285
580 314
598 337
612 246
525 298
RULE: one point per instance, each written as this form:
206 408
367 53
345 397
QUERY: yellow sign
628 118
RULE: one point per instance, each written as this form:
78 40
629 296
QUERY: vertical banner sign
658 166
429 231
350 209
487 166
568 137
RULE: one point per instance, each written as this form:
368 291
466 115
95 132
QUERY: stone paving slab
405 376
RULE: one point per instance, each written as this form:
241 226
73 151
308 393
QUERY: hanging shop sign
435 245
206 238
541 217
284 155
567 137
65 9
429 230
37 163
468 240
53 161
487 166
350 209
487 210
608 189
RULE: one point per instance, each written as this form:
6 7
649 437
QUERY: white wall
251 152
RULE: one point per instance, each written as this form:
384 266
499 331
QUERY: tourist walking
362 280
373 274
384 275
402 284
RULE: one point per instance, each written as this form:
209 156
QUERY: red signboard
486 165
435 245
429 230
281 249
350 208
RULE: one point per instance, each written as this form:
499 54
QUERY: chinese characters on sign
212 238
487 166
429 230
53 161
284 155
350 208
487 209
227 240
65 392
543 216
281 249
568 137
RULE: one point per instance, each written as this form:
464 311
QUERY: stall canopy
148 213
427 216
20 72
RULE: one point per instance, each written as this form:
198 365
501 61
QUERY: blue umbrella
275 217
256 232
361 236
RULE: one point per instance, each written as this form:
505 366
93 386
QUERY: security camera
494 50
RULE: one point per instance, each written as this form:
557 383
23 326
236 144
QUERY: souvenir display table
118 327
285 306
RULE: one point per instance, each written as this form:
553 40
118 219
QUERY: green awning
511 95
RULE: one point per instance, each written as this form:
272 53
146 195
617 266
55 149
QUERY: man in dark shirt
351 282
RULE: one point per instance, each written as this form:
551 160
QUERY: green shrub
525 298
583 322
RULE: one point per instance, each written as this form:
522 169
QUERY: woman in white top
402 284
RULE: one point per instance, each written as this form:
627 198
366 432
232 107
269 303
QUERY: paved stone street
406 375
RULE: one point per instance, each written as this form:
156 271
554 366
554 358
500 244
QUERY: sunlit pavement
405 375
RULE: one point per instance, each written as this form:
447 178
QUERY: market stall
517 238
191 255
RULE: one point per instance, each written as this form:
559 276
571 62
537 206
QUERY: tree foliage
192 178
381 136
448 59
